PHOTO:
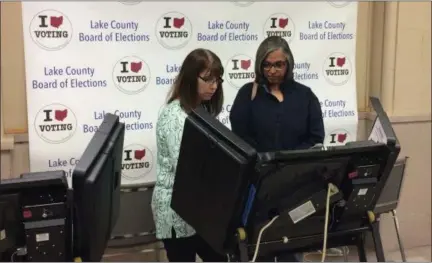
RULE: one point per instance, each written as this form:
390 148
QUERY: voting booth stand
364 206
370 198
389 199
282 202
136 217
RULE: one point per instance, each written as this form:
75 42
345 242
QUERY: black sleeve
316 131
239 114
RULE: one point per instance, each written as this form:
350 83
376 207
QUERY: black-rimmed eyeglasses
211 80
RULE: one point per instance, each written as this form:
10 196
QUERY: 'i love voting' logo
131 75
173 30
137 162
337 69
280 25
239 70
51 30
55 123
338 137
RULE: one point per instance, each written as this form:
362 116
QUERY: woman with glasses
198 84
275 112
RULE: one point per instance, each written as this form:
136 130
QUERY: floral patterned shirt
169 132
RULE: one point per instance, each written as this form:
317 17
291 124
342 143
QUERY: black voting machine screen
43 220
228 192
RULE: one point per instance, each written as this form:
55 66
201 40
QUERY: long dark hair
185 86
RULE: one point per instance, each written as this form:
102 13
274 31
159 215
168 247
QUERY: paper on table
377 134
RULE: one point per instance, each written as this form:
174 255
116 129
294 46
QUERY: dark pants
185 249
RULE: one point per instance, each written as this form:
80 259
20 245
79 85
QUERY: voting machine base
240 192
294 222
348 237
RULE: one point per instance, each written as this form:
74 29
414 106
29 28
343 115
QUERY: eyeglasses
278 65
211 80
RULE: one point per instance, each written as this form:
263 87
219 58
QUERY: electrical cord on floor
260 235
327 211
339 252
330 189
13 256
21 251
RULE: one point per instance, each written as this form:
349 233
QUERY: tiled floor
419 254
146 253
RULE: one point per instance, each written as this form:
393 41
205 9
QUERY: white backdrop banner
85 59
